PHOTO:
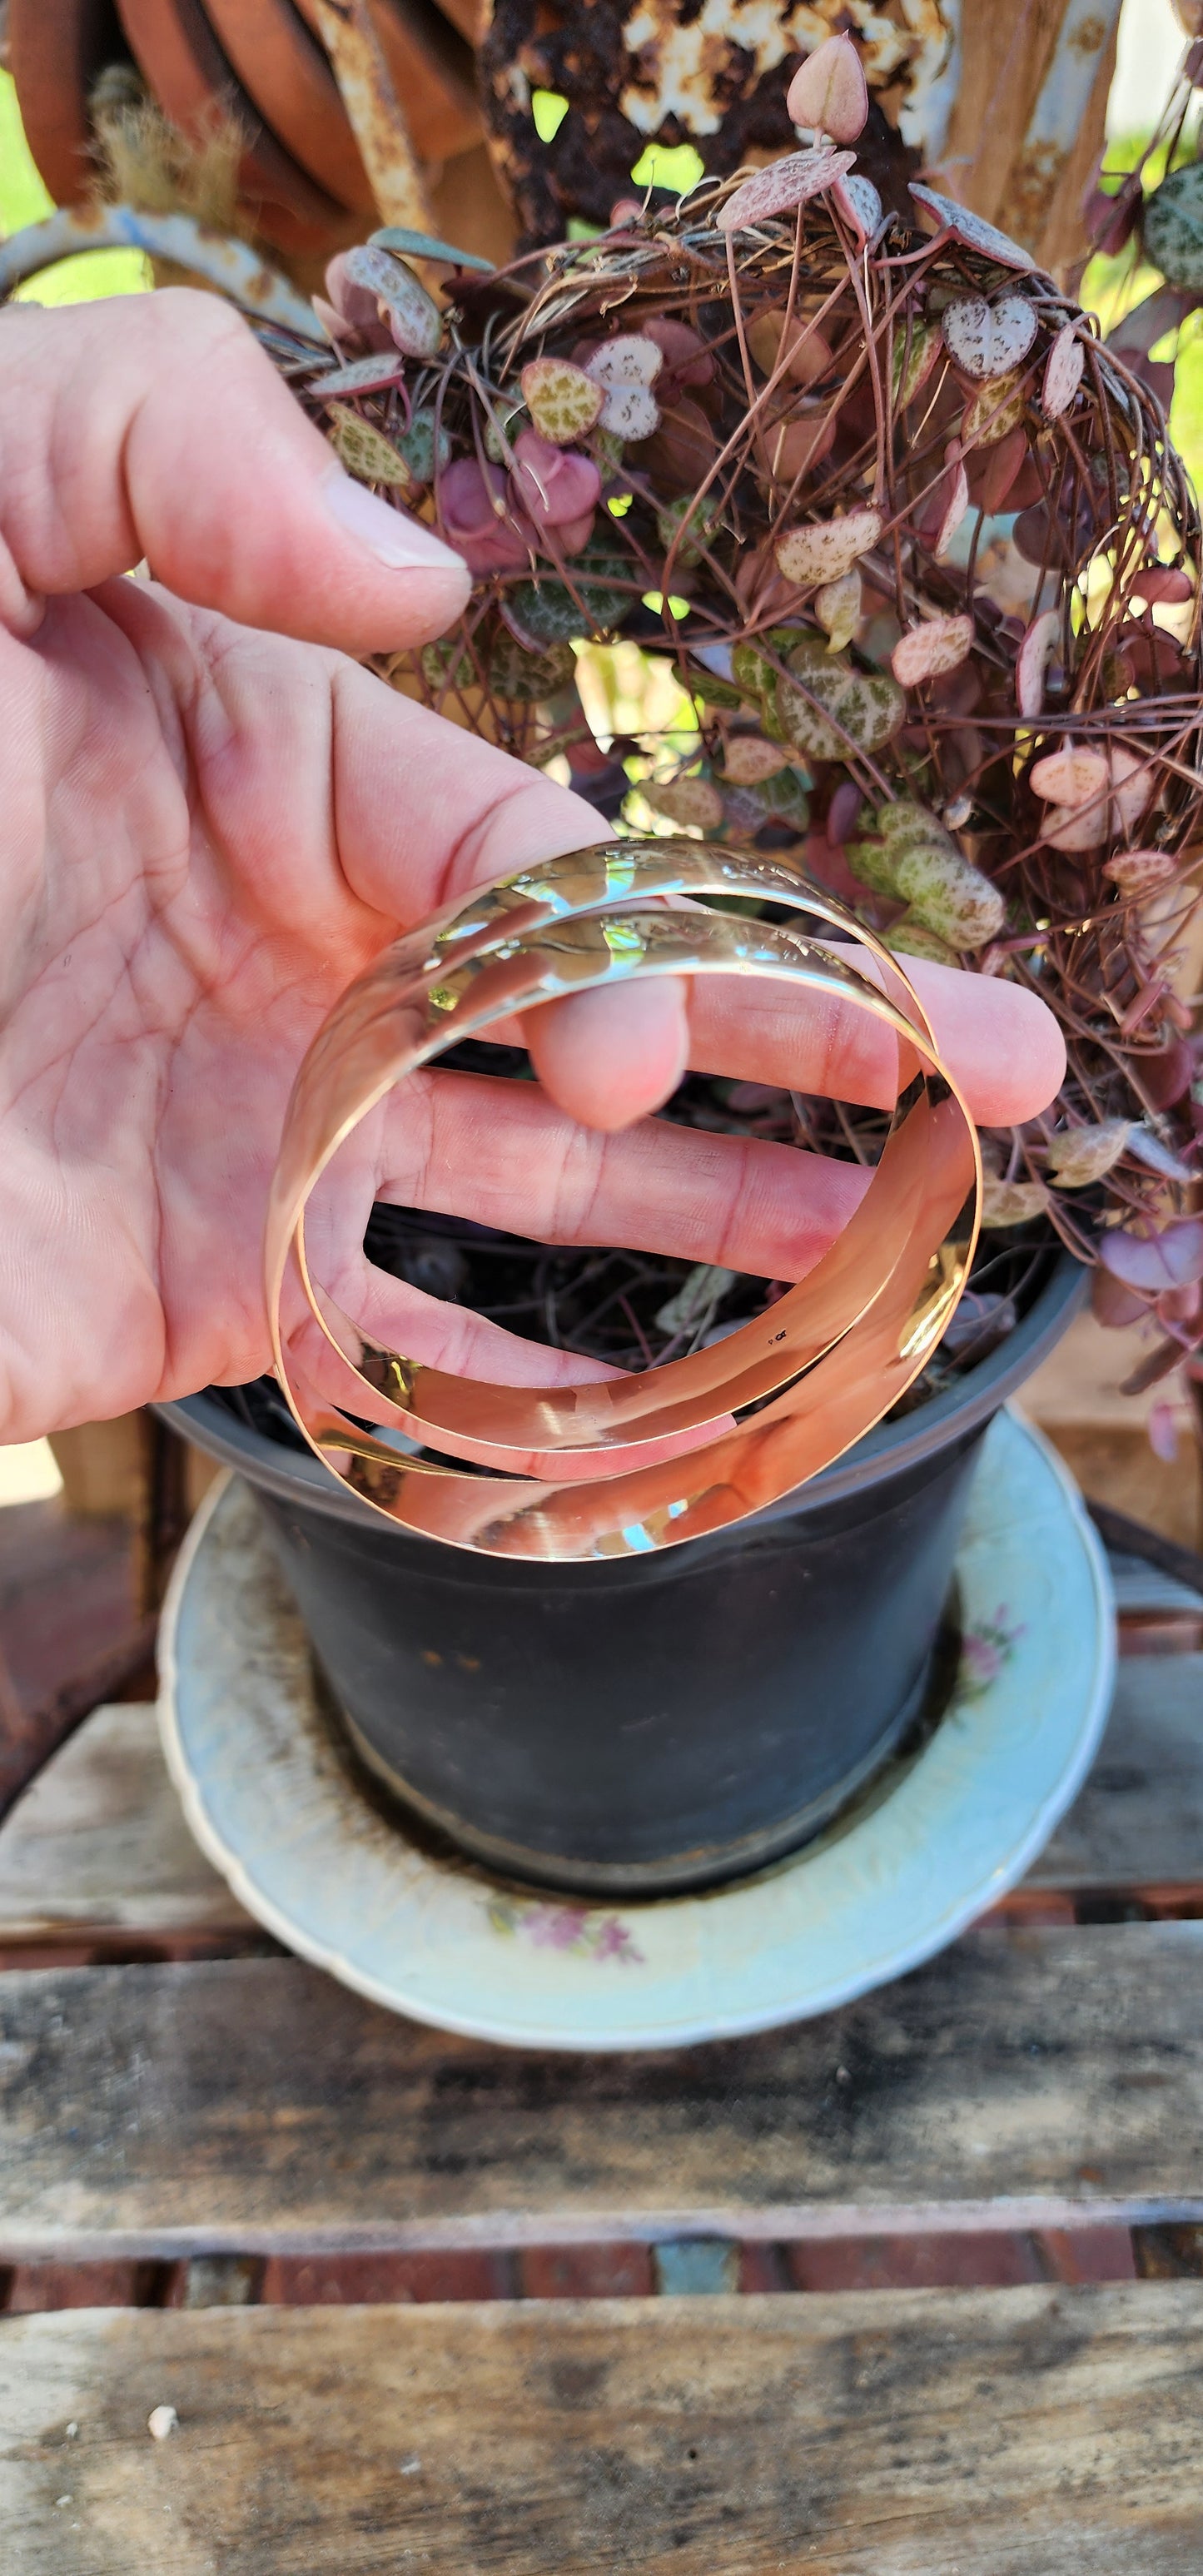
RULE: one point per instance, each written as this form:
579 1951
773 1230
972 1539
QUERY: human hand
215 820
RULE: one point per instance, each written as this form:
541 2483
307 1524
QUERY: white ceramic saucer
268 1798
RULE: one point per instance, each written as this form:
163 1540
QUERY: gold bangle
555 1472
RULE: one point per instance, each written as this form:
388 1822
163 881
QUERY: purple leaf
1167 1260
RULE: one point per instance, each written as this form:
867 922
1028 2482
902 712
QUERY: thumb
155 426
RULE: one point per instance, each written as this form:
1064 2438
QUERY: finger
504 1154
443 1337
609 1058
154 426
471 813
999 1041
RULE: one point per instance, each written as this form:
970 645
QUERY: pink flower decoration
467 496
555 1927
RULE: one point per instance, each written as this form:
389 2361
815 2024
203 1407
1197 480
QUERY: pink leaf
1071 777
1156 1261
1062 372
825 548
971 229
363 376
1138 871
477 518
828 92
939 644
1165 585
989 340
1035 654
857 200
554 485
781 187
684 352
956 500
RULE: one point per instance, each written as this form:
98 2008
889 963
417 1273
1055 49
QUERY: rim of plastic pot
892 1447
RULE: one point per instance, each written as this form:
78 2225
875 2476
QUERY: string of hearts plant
916 548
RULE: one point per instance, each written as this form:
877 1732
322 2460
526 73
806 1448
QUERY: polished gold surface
563 1472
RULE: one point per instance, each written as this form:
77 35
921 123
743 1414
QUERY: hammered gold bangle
556 1472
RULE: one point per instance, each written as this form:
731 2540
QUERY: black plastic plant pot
646 1724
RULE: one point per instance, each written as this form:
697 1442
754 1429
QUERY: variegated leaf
1140 871
826 548
1006 1203
838 607
994 411
989 340
971 229
924 652
688 801
1039 646
749 759
413 316
365 451
781 187
1083 1155
1062 372
562 400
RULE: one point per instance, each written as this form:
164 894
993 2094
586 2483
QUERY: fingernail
393 537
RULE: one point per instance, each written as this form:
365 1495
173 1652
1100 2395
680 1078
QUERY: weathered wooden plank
1023 2079
979 2433
99 1842
1138 1822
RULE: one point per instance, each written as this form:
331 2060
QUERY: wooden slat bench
362 2261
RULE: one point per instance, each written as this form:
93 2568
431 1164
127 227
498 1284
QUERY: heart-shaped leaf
413 316
631 359
688 801
1062 372
630 412
917 860
838 607
1007 1203
828 92
1071 777
1171 1259
1140 871
750 758
924 652
916 350
989 340
1173 227
372 375
1085 813
824 549
365 451
994 411
1038 649
1083 1155
562 400
524 677
971 229
857 200
867 705
781 187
